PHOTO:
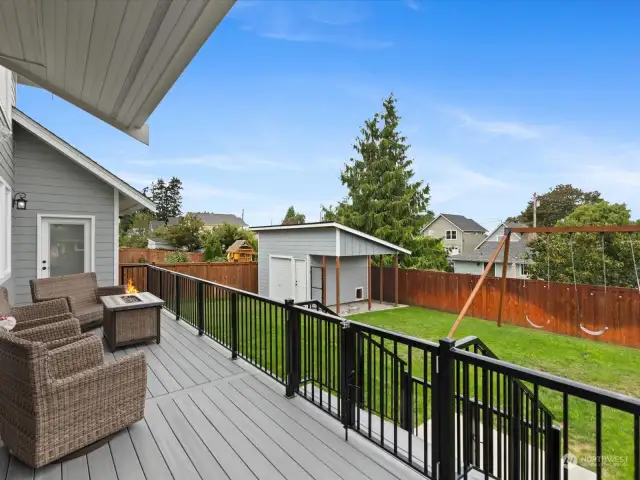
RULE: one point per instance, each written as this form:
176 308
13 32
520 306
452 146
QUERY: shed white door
280 278
301 281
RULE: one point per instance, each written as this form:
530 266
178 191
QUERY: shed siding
353 273
293 243
351 245
56 185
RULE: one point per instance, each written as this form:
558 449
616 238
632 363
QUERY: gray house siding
474 268
56 185
351 245
465 242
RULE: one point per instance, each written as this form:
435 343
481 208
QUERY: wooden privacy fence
556 303
152 255
238 275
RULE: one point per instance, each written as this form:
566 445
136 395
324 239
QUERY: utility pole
535 209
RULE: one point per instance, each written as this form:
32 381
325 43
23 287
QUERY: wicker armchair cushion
89 315
81 288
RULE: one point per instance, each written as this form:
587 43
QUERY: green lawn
595 363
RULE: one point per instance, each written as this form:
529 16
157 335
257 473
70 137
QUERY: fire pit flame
130 287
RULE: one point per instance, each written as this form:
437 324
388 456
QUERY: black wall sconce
20 201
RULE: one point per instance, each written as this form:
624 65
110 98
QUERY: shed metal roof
336 225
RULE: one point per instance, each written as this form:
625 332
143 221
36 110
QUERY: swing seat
593 333
537 326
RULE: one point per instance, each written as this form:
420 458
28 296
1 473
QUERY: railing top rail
553 382
218 285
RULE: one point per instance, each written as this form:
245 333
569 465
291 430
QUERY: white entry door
65 245
301 281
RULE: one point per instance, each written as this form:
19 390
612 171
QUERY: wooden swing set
505 242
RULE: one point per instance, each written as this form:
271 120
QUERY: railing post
160 277
234 326
446 435
148 289
348 374
122 282
553 462
200 308
177 297
514 434
406 400
293 348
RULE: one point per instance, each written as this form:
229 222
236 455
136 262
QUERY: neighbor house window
5 230
451 235
454 251
524 270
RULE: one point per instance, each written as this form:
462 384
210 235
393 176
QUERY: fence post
406 400
553 462
293 348
234 326
348 374
445 437
177 297
200 308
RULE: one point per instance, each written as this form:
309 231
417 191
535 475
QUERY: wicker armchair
81 293
34 315
55 400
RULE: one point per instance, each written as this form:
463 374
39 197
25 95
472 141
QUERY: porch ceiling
114 59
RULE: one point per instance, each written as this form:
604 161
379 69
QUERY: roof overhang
131 199
337 225
113 59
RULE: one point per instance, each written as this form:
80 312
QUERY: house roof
81 159
237 245
461 222
332 225
517 253
502 225
208 219
115 60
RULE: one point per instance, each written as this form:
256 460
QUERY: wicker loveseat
34 315
81 292
56 398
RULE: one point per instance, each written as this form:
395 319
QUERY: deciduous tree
186 233
293 218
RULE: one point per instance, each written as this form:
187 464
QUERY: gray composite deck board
207 416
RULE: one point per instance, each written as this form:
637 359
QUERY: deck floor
208 417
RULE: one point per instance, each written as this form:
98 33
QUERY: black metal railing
316 305
445 408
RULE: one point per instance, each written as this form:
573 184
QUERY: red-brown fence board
539 300
238 275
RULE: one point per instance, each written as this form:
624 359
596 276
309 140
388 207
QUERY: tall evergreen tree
167 197
293 218
159 197
383 198
174 197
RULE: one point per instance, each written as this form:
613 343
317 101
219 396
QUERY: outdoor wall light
20 201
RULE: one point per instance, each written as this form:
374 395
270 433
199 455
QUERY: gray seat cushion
90 316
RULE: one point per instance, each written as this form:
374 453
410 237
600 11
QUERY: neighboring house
459 234
210 220
157 243
290 261
476 261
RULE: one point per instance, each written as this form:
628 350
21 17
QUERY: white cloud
235 162
510 129
196 191
413 4
138 180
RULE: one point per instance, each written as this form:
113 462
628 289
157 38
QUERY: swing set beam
504 243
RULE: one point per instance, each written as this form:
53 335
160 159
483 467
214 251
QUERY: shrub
176 257
209 253
143 259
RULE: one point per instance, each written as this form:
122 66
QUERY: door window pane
66 249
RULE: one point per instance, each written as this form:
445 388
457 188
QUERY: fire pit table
131 318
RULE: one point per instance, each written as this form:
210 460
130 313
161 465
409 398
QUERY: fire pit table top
131 301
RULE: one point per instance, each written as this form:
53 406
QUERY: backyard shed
323 261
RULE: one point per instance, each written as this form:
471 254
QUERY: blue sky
499 99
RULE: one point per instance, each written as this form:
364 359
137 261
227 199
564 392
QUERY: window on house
451 235
5 230
454 251
359 293
524 270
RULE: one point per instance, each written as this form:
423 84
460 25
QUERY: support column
338 285
395 271
324 280
369 282
381 291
